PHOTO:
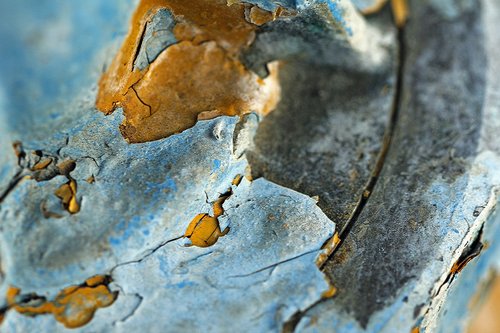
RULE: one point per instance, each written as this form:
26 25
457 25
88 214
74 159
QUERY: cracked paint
74 306
40 167
204 230
172 94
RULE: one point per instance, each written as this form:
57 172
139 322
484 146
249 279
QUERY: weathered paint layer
74 306
199 77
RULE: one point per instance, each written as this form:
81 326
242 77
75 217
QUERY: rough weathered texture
78 200
441 169
326 134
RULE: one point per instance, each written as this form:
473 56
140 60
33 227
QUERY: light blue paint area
447 200
173 172
181 285
216 165
271 5
51 51
363 4
335 10
456 311
165 190
157 37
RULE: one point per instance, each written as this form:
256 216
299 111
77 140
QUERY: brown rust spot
328 249
204 230
73 306
399 10
485 306
65 167
200 77
42 164
90 180
18 149
67 193
463 261
331 292
260 16
237 180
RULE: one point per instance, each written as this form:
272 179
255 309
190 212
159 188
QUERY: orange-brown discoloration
73 306
42 164
331 292
260 16
399 10
328 249
204 230
65 167
237 180
199 77
67 193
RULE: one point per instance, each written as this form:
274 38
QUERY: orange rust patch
331 292
73 306
328 249
204 230
485 306
18 149
67 193
399 10
464 260
237 180
42 164
65 167
260 16
200 77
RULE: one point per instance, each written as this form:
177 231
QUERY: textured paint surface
136 201
73 306
172 93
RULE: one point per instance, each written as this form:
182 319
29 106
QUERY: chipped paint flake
172 94
67 193
74 306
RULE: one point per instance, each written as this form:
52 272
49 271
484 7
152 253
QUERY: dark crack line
291 324
139 47
151 252
272 266
386 144
140 99
12 185
134 310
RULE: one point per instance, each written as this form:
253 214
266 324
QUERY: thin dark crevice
139 47
12 185
148 254
291 325
141 100
386 144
